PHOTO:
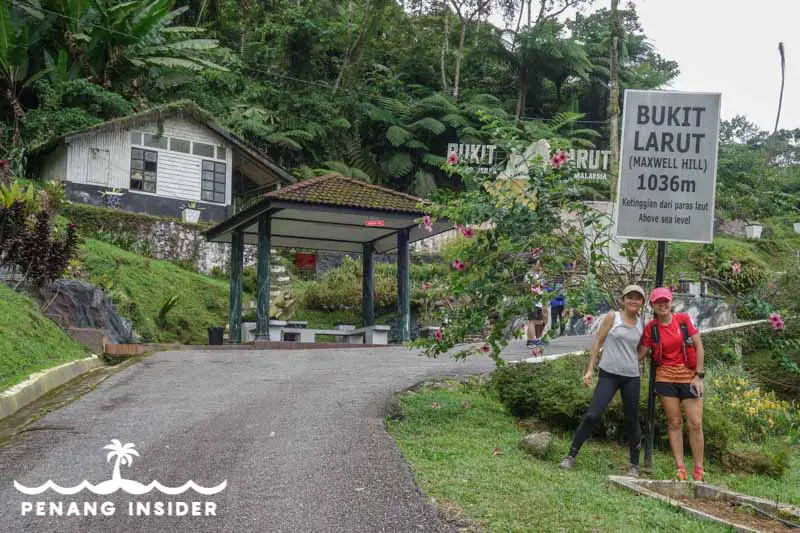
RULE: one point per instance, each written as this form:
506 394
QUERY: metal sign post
667 182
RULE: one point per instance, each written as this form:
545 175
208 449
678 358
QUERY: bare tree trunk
350 49
529 11
783 79
459 57
445 48
613 103
522 91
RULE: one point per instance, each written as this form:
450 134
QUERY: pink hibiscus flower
452 158
559 159
485 348
536 289
427 223
458 265
736 268
438 335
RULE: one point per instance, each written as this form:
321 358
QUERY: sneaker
529 343
633 470
698 473
681 473
567 463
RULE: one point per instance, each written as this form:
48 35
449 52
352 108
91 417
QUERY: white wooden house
158 162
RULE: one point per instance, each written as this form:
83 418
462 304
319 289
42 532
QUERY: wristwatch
700 375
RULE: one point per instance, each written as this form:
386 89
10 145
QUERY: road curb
40 383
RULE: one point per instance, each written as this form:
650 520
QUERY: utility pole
613 100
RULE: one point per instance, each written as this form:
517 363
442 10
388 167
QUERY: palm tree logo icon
123 455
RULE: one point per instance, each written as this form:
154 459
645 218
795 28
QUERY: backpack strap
655 337
683 320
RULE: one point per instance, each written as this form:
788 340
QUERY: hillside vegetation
29 341
165 302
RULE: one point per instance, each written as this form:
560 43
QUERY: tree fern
434 160
456 120
398 135
429 124
423 185
417 145
400 164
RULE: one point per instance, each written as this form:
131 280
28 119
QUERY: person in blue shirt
557 305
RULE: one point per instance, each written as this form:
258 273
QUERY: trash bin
215 336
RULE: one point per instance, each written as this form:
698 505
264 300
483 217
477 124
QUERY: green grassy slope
141 286
29 341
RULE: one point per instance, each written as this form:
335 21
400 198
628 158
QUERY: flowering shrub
490 278
759 414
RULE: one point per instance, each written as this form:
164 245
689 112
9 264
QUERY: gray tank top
620 354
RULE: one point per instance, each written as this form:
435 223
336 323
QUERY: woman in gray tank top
619 336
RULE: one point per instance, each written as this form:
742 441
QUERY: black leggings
607 386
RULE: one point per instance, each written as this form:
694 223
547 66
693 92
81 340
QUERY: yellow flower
752 410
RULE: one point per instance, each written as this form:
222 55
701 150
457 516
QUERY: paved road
297 435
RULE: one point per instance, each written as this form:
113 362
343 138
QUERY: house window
202 149
153 141
136 138
213 182
179 145
144 167
222 153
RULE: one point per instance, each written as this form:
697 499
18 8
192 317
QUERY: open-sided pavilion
326 213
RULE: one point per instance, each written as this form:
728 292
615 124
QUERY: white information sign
668 166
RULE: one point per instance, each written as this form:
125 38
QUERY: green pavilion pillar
237 266
367 286
403 282
262 299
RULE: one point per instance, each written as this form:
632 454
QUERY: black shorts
684 391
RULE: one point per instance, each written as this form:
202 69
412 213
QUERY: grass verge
140 287
450 449
29 341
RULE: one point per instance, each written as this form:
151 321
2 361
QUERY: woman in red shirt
679 377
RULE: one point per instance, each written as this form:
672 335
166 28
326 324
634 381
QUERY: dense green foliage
373 89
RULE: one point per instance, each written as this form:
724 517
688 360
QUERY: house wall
55 165
178 174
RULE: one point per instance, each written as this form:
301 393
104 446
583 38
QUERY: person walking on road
619 336
678 354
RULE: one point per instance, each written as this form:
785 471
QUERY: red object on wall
305 261
374 223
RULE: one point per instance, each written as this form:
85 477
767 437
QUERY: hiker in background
619 336
537 317
557 310
678 354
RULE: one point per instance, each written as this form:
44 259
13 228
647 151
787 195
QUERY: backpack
689 349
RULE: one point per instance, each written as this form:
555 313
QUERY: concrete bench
281 330
366 335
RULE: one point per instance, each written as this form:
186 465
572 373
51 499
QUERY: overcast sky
730 47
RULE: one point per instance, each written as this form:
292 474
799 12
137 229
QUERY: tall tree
613 100
467 11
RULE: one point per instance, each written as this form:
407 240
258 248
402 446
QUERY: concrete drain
739 511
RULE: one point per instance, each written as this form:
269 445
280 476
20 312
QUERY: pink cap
660 293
